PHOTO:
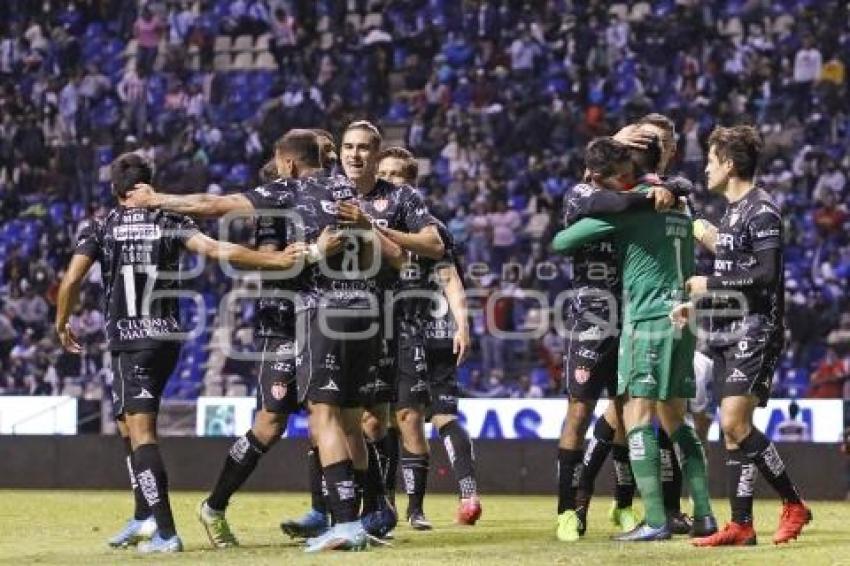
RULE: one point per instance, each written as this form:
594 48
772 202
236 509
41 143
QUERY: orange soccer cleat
794 517
733 534
468 512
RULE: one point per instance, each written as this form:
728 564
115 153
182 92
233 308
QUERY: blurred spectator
148 31
829 377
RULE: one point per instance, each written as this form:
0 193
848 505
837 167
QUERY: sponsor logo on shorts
647 379
737 376
581 375
278 390
381 384
144 394
588 354
330 386
419 386
331 363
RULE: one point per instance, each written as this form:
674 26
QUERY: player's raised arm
69 295
584 231
198 204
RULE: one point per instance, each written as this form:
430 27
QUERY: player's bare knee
268 427
439 421
734 430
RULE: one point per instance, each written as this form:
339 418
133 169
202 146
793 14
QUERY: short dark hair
646 160
603 154
739 144
367 126
411 166
127 171
659 121
268 172
324 134
301 145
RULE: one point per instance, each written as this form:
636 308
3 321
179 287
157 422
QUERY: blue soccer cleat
380 522
342 536
312 524
160 545
134 532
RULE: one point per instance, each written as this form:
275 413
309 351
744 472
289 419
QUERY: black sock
461 455
624 490
153 482
594 456
318 489
765 456
414 469
388 450
741 473
671 474
569 470
239 465
142 510
342 491
373 488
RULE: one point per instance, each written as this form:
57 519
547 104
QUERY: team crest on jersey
278 390
329 207
381 204
581 375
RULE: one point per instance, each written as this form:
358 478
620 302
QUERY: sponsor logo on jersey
124 232
329 207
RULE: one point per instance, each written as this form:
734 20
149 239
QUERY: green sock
694 468
646 466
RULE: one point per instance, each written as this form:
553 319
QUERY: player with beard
139 252
446 344
336 361
744 347
608 436
655 361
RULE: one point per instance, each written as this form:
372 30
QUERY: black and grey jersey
312 204
139 253
749 226
596 278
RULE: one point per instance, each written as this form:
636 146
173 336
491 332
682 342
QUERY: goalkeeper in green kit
655 363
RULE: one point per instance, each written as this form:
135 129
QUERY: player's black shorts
139 377
590 364
411 368
384 388
337 370
277 391
747 366
442 379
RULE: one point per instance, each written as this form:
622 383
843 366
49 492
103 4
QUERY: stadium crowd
497 98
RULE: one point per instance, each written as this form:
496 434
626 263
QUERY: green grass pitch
56 527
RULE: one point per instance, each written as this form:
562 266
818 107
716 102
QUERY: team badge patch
278 391
581 375
381 204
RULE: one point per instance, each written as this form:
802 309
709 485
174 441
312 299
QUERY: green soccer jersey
656 253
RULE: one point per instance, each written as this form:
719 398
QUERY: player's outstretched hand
68 339
353 215
142 196
664 199
461 345
330 241
680 314
633 136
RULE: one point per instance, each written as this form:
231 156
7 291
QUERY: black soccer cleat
680 524
703 526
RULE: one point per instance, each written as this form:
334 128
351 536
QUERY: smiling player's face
391 169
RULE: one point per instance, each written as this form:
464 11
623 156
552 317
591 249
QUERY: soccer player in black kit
336 358
139 252
441 319
745 346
